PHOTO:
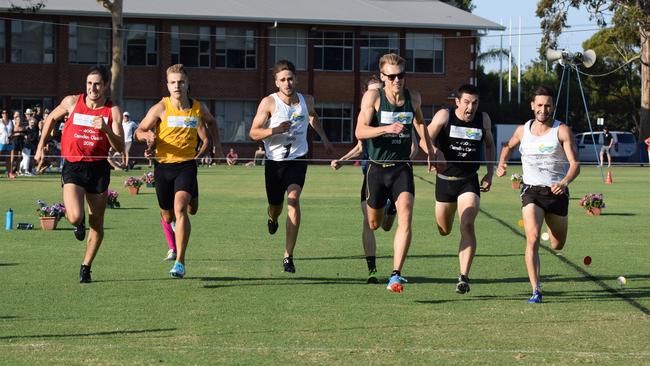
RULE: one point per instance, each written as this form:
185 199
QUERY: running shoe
178 270
536 298
395 283
171 255
288 265
84 274
273 226
372 276
80 230
463 285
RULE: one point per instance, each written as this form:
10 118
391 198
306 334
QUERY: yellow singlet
177 138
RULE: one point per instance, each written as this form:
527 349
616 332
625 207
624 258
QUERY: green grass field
235 306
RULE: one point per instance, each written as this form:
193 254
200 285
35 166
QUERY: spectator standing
6 129
17 141
29 148
129 126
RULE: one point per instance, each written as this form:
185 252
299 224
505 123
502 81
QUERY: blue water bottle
9 220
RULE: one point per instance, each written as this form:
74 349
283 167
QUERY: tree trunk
117 77
644 127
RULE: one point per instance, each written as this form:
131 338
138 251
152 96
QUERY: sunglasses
392 77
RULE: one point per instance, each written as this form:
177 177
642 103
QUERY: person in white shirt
549 162
129 126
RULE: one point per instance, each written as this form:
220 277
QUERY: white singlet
543 159
293 144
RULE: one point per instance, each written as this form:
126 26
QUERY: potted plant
593 203
111 199
149 179
515 180
133 184
49 215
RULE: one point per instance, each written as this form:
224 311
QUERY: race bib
465 133
182 121
388 118
85 120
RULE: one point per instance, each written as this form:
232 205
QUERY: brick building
229 47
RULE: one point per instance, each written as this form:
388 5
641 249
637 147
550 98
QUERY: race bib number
85 120
182 121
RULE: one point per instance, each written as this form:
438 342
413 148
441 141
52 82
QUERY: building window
32 43
288 44
424 53
234 119
2 41
89 43
236 48
336 119
191 45
373 46
140 45
333 51
138 108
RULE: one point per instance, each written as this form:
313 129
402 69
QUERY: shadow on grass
280 281
586 276
8 317
9 264
73 335
617 214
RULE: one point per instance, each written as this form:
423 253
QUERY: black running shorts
542 197
449 188
279 175
392 210
93 176
172 178
387 181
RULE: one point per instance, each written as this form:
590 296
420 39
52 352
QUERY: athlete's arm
144 132
568 144
490 153
369 105
115 132
212 126
421 128
66 107
264 110
507 150
205 140
353 153
315 123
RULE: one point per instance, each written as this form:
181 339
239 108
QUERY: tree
117 77
628 17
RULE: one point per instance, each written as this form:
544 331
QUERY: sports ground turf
235 306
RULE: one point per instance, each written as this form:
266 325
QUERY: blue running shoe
536 298
178 270
395 283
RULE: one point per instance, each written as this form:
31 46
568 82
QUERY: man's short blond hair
391 59
176 69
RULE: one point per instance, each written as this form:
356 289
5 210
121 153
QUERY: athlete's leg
445 212
73 199
402 239
558 227
468 206
367 236
96 209
293 218
533 217
183 226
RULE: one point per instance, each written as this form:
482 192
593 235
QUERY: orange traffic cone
608 179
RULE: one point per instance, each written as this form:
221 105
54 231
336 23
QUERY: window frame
73 39
282 41
203 33
365 36
321 46
347 118
150 43
410 50
221 37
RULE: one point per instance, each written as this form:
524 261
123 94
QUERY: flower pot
48 223
110 205
516 185
134 190
594 211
